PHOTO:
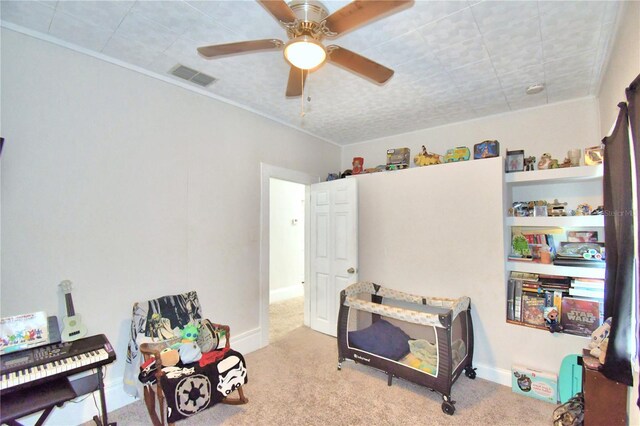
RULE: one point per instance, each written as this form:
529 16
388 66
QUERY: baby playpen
426 340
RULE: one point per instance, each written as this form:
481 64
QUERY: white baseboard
280 294
494 374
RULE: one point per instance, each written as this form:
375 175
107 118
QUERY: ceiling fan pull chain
302 94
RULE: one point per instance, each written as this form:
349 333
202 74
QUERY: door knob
351 270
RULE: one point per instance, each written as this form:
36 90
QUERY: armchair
175 388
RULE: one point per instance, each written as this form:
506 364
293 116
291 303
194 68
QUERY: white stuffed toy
600 340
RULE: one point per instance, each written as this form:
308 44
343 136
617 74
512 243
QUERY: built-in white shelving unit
574 185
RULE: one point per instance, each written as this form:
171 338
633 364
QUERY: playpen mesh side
431 345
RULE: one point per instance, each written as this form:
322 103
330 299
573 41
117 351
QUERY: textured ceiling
453 60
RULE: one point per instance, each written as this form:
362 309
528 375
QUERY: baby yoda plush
189 349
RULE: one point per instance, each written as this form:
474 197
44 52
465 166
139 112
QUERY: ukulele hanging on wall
72 326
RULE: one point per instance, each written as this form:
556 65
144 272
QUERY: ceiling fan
307 23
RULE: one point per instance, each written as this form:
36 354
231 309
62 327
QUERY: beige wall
553 128
623 66
132 188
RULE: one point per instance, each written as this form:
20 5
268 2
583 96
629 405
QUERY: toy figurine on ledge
551 319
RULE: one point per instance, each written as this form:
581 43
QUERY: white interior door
333 249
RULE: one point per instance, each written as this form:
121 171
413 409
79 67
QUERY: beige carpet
285 316
294 381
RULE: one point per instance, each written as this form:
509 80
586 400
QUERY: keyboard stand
47 396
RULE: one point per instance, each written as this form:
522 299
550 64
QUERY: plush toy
169 357
188 348
600 340
545 161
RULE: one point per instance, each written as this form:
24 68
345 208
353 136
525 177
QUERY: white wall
132 188
623 66
286 268
438 231
552 128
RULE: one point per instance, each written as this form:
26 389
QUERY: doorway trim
268 171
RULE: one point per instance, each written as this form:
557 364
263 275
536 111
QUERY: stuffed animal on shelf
545 161
600 340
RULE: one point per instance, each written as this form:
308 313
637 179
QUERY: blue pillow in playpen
381 338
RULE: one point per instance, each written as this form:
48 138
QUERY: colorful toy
551 319
398 158
545 161
426 159
529 163
358 164
486 149
460 153
189 333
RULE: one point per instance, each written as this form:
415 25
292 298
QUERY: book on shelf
585 292
533 309
580 316
511 288
588 283
517 301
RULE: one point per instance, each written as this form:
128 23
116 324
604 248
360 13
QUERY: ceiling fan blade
239 47
297 77
360 12
358 64
279 10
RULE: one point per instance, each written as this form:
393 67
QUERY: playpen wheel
448 408
339 366
470 372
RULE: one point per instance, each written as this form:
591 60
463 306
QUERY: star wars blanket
191 388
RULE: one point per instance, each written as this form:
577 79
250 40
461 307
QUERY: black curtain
619 237
633 99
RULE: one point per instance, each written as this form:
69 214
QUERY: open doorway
286 257
268 172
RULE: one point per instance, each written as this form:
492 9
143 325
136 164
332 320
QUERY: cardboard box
534 383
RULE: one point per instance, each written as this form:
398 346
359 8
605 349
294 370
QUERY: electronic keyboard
29 367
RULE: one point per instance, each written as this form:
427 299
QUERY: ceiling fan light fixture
304 52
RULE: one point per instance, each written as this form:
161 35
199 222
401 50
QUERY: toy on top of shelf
358 164
565 163
529 163
486 149
460 153
593 155
598 211
556 208
424 158
545 161
398 158
583 210
514 161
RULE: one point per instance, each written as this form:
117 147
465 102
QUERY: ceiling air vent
192 75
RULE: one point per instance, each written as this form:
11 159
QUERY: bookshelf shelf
570 271
565 175
573 186
557 221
